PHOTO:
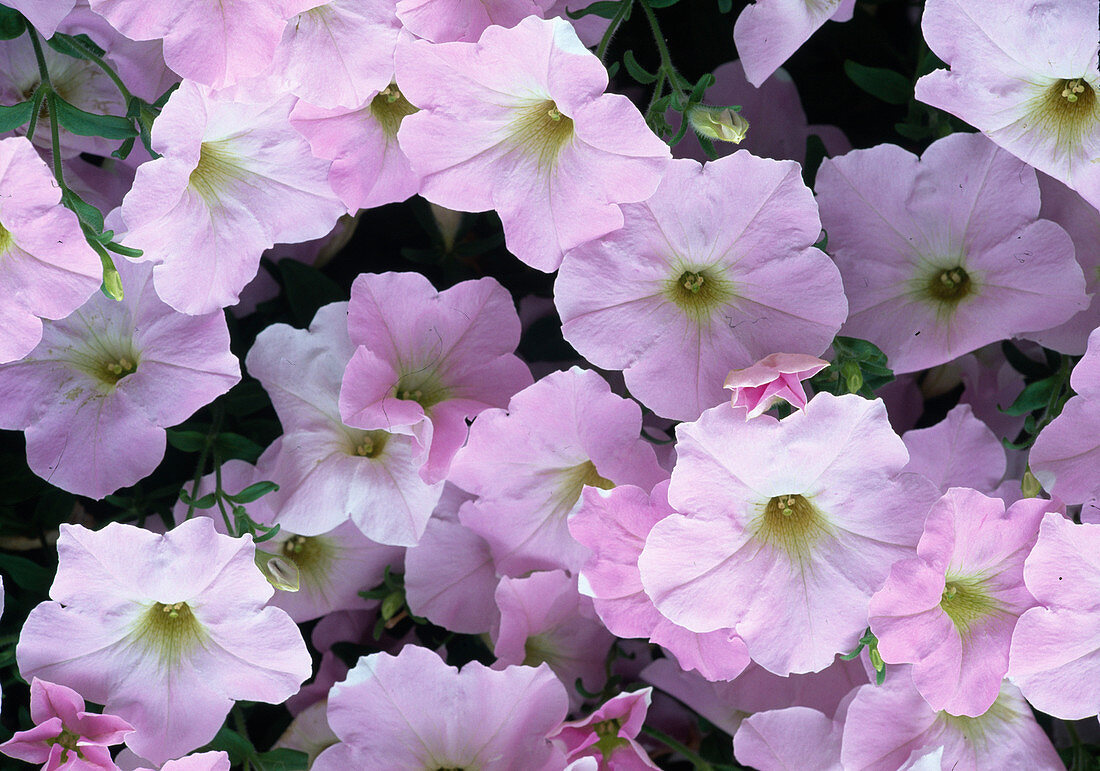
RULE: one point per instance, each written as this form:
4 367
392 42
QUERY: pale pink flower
519 122
1055 656
714 272
787 527
789 739
446 21
414 711
530 463
47 268
65 736
609 733
959 451
165 631
776 377
234 179
544 619
96 394
199 761
769 31
215 45
1066 453
613 525
1024 73
951 610
328 472
44 15
944 254
888 724
427 361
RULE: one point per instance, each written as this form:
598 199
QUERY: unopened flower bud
722 123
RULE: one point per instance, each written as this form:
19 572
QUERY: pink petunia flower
530 463
44 15
609 733
328 472
769 31
613 525
519 122
427 361
414 711
776 377
165 631
790 739
951 610
1055 655
215 45
888 724
1024 73
234 179
446 21
65 736
959 451
714 272
944 254
47 268
95 395
787 528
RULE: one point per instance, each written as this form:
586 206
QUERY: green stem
616 20
202 462
218 496
43 73
242 729
108 69
55 137
697 761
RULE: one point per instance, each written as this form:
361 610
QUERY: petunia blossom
1055 655
959 451
328 472
714 272
65 735
233 179
609 733
96 394
529 464
944 254
1024 73
790 525
764 740
427 361
414 711
47 268
768 31
44 15
776 377
165 631
950 611
519 122
446 21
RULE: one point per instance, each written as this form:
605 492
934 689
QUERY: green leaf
67 44
236 746
26 574
884 84
230 445
1035 396
186 441
637 71
725 6
203 501
282 759
12 23
253 492
88 124
125 251
15 115
661 3
605 9
307 289
706 80
85 212
913 131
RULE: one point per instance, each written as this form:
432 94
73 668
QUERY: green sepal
12 23
70 45
253 492
15 115
637 71
605 9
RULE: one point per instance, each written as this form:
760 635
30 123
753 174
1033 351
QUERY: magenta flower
769 31
234 179
951 610
776 377
414 711
47 268
609 733
165 631
714 272
787 528
215 45
1055 655
328 472
426 360
519 122
1024 73
944 254
530 463
96 394
65 736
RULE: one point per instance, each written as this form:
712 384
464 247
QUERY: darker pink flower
774 378
609 733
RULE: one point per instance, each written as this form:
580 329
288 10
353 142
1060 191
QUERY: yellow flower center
791 524
1067 110
540 131
698 292
966 600
170 632
389 107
